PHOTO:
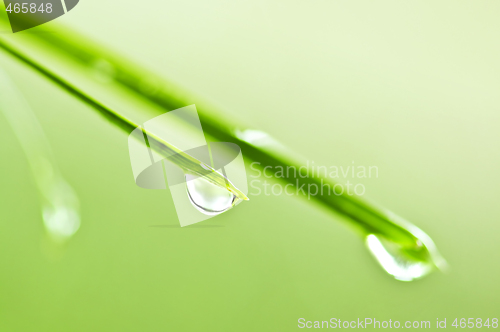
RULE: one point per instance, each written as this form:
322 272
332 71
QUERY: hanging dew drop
396 261
207 197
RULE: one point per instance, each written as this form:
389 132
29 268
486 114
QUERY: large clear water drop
207 197
396 260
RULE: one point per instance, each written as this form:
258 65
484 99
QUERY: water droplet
207 197
61 222
396 260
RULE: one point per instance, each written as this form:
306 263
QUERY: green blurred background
409 87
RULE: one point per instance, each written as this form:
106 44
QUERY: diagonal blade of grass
180 158
366 217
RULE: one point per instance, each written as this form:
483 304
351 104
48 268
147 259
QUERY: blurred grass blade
60 204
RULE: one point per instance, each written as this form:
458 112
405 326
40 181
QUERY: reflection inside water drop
396 261
207 197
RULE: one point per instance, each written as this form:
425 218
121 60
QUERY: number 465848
29 8
475 323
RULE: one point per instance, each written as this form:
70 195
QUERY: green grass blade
364 216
